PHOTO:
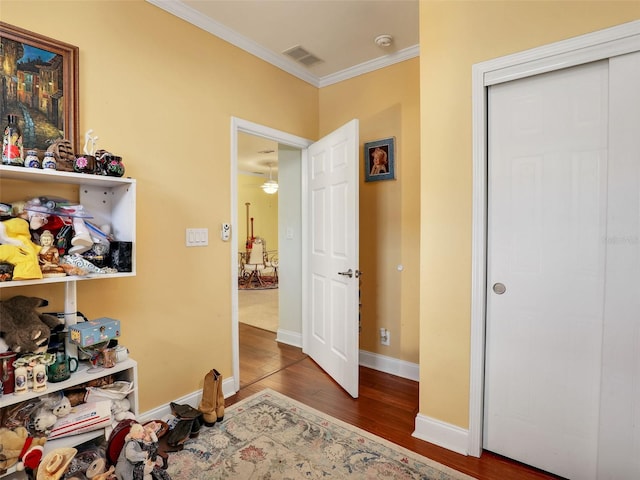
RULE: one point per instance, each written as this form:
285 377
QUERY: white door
331 327
563 197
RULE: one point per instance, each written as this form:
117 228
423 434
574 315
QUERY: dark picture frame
39 84
380 160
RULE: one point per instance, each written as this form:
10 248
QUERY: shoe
209 400
180 433
195 427
183 411
219 399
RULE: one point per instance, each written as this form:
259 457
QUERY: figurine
137 460
49 257
88 139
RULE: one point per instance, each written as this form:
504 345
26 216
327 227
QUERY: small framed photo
380 160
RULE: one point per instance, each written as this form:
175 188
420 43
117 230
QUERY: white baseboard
290 338
390 365
442 434
193 399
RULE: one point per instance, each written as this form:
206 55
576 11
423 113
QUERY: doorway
322 220
286 236
258 242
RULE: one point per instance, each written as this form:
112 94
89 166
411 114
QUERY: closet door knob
499 288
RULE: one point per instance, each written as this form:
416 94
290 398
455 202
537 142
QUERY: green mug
62 369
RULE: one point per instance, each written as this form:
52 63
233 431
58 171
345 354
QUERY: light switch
197 237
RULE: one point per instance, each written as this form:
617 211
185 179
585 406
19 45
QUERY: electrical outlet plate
385 337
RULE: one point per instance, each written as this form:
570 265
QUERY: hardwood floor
387 405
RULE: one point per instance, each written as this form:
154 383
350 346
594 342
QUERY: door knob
499 288
348 273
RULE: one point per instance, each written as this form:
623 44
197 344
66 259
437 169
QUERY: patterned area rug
270 436
266 282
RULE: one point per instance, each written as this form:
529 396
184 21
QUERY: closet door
547 219
562 381
619 438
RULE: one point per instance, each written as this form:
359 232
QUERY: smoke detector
384 40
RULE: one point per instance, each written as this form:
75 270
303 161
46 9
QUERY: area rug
266 282
269 436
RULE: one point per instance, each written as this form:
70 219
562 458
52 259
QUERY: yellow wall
263 209
386 102
161 93
453 37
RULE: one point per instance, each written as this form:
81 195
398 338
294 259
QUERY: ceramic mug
62 369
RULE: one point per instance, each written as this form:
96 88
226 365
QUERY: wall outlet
385 337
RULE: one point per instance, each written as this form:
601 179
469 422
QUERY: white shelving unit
126 370
112 201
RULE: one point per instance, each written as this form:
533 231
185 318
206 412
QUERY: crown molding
370 66
192 16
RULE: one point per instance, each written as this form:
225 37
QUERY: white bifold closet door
562 379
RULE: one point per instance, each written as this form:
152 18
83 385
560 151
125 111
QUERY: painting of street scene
33 90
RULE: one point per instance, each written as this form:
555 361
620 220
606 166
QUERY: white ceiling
256 154
340 33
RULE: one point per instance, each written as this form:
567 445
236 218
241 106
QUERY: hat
55 463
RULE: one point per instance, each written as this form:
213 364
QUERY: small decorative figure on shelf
90 143
49 257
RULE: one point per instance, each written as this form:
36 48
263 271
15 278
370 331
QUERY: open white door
332 307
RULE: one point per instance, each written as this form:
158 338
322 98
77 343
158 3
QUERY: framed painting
380 160
39 80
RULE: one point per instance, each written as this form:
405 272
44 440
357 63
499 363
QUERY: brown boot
219 398
209 395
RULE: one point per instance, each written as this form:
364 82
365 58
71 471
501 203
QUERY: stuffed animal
120 409
44 420
18 249
62 408
13 451
23 328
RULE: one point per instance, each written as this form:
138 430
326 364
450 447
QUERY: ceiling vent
302 56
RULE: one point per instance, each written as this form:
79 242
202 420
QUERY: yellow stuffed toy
13 451
18 249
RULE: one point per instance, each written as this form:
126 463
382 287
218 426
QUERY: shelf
69 278
55 176
77 378
128 369
109 200
51 445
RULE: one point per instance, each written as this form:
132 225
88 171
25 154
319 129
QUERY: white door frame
591 47
244 126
